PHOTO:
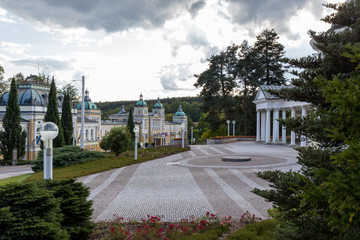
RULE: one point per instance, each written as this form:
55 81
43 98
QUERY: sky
154 47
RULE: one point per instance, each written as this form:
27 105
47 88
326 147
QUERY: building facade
33 98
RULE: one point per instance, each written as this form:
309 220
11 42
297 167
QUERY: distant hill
190 105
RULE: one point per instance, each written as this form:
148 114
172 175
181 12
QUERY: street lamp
228 123
144 133
74 130
136 131
192 130
233 127
82 112
182 134
163 139
48 132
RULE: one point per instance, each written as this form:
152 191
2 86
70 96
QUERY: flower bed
153 228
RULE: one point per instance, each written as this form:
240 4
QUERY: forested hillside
190 105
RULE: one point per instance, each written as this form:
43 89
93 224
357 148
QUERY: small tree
52 115
12 137
131 124
66 120
118 140
3 85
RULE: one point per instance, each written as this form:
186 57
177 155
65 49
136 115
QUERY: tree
3 85
118 140
270 51
19 77
66 120
218 86
12 137
321 201
71 91
130 124
52 114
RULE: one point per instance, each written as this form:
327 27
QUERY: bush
34 213
67 156
74 205
255 231
45 210
118 140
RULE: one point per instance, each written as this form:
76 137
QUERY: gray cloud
43 63
170 75
196 7
110 15
276 12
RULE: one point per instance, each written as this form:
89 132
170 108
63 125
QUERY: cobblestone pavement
190 183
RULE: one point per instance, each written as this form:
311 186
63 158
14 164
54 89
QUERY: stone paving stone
189 183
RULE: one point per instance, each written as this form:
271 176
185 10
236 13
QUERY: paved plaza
189 183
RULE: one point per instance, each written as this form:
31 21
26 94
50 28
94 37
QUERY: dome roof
31 95
180 112
122 111
141 102
158 104
89 105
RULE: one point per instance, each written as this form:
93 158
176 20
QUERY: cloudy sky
154 47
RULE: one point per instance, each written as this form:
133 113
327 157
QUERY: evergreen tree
3 85
321 201
12 137
271 53
130 124
66 120
52 114
218 84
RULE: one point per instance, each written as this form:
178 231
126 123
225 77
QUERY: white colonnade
268 109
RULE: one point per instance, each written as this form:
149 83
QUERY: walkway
12 171
190 183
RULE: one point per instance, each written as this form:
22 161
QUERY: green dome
89 105
158 104
122 110
141 102
180 112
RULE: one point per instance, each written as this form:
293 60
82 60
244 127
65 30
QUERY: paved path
190 183
11 171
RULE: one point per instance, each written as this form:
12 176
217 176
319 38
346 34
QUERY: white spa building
269 108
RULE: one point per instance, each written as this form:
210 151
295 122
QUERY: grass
15 179
108 163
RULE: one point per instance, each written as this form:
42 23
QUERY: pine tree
321 202
66 120
130 124
52 114
270 52
12 137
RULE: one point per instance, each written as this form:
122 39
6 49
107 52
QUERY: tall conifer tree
271 53
66 120
12 137
130 124
52 114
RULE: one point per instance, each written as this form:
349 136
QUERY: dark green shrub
211 234
67 156
255 231
74 206
34 213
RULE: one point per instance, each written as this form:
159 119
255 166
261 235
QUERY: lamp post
136 131
163 139
144 133
82 112
182 134
192 130
228 123
48 132
233 127
74 130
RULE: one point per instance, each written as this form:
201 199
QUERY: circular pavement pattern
189 183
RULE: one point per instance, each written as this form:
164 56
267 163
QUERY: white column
263 125
283 133
258 125
292 142
276 126
268 125
303 138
